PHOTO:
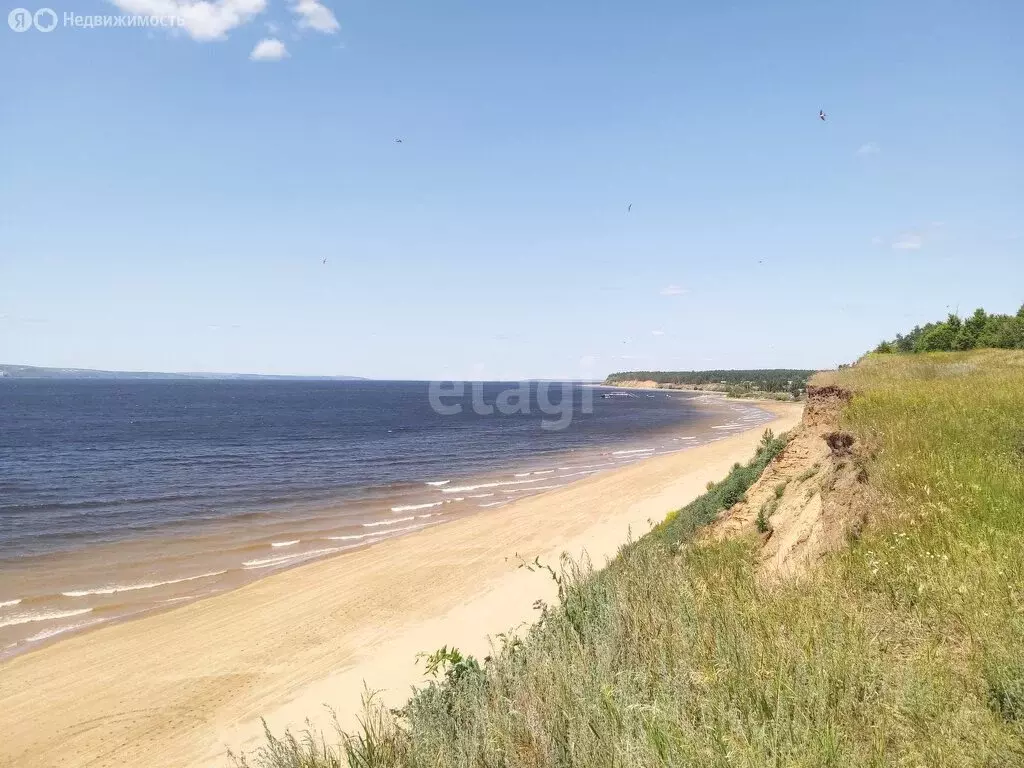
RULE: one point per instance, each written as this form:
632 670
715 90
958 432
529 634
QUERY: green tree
939 338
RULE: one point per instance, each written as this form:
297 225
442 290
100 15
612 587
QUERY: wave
588 466
495 484
48 633
629 453
388 522
411 507
538 488
729 426
355 536
268 562
481 495
438 483
9 603
492 504
382 533
31 617
285 543
133 587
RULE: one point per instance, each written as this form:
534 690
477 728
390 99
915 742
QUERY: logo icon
45 19
20 20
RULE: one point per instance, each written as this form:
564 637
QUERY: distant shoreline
32 372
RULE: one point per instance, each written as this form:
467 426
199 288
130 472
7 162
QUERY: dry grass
905 649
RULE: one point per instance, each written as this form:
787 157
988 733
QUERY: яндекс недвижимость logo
22 19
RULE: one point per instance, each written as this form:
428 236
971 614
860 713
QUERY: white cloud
657 333
672 290
269 49
315 15
908 241
876 240
871 148
201 19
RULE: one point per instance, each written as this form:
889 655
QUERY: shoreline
180 686
49 598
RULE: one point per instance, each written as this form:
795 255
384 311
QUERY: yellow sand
178 688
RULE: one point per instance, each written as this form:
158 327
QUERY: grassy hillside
903 648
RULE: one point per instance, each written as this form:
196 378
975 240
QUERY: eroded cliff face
812 498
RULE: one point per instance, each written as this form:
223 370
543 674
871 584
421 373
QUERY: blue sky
167 196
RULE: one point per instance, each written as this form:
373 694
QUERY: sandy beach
179 688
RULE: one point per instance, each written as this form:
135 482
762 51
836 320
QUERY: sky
168 194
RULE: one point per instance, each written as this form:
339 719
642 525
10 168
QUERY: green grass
904 649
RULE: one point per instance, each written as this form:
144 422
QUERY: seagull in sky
324 261
822 115
398 141
629 208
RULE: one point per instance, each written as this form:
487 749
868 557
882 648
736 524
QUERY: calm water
118 497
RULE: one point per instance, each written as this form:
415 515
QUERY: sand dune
179 687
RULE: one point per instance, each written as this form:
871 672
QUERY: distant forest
980 330
762 380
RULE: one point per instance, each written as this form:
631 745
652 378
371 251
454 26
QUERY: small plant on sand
780 489
808 474
764 514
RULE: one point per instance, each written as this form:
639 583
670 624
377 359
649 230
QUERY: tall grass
904 649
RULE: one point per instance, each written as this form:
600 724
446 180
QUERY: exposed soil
812 498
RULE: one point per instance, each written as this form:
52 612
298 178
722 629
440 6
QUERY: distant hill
736 382
34 372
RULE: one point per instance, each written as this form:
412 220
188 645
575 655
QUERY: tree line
764 380
979 331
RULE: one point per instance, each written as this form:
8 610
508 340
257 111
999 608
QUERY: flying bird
324 261
398 141
821 114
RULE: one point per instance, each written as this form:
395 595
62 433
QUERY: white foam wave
492 504
495 484
9 603
384 533
388 522
582 472
728 426
481 495
47 633
270 562
356 536
438 483
630 453
522 474
588 466
285 543
411 507
28 618
538 488
133 587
